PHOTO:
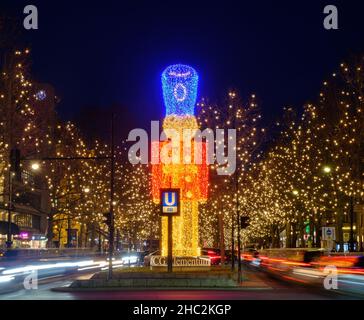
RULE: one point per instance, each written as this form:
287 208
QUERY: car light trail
308 273
31 268
6 278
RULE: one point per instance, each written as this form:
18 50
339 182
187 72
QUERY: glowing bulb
327 169
35 166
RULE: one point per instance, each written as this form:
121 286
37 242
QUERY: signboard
159 261
328 233
24 235
170 205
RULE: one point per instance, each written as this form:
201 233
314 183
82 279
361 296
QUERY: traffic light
107 220
15 162
244 222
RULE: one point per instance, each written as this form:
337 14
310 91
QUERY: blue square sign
170 202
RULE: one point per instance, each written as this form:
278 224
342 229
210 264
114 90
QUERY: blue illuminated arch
179 84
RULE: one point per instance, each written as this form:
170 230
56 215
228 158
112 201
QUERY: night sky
99 54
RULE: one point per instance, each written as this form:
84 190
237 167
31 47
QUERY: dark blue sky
107 52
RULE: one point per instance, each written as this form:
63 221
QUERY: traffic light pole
239 242
238 228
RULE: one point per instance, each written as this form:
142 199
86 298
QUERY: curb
69 289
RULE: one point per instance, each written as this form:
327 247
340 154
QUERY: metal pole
170 239
239 244
237 203
351 249
238 224
9 242
100 243
69 231
112 173
232 244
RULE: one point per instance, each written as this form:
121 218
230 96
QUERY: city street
181 151
263 288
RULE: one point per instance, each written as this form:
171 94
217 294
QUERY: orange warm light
182 164
191 179
339 262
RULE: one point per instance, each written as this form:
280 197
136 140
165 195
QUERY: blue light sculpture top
179 84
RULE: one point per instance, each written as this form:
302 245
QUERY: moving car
213 254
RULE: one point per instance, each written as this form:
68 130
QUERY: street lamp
35 166
326 169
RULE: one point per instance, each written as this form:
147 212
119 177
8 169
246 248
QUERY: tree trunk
288 235
294 235
50 231
301 227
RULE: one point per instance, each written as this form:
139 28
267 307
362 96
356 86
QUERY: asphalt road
272 289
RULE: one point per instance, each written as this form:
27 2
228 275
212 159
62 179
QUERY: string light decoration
18 119
217 214
312 175
179 84
41 95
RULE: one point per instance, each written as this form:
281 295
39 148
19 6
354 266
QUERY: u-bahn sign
170 204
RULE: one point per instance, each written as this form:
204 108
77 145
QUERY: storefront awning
4 228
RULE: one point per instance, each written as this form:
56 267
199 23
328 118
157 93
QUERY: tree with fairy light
138 218
221 208
315 167
341 105
17 115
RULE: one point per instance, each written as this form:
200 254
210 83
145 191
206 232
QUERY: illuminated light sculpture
179 84
41 95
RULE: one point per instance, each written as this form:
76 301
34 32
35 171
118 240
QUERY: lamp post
295 194
327 170
9 241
